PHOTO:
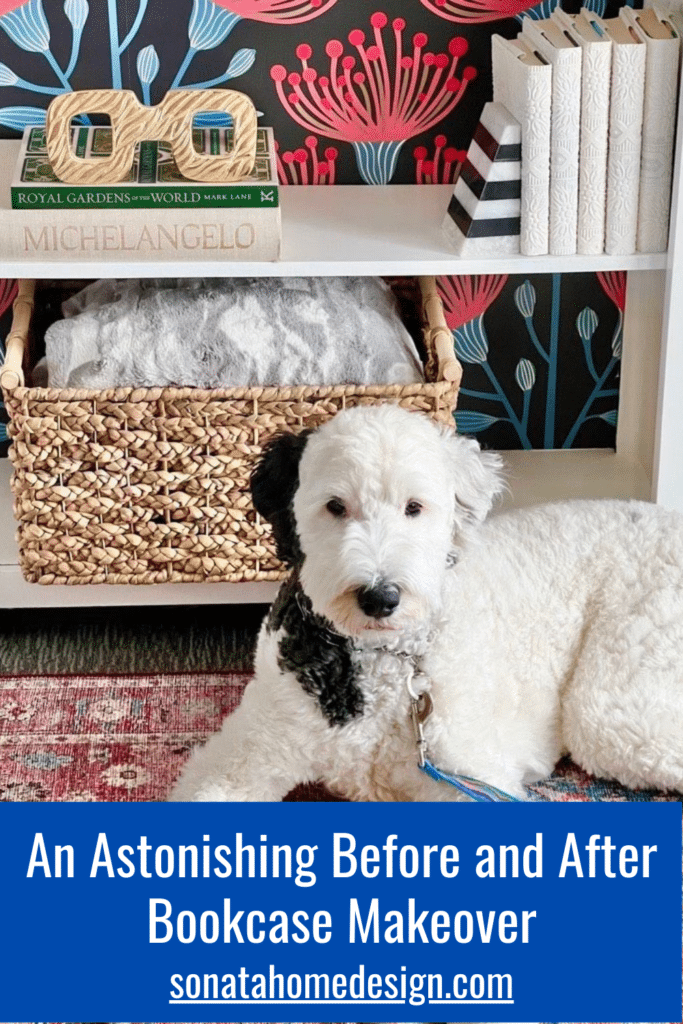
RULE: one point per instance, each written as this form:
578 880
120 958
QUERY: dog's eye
413 508
336 507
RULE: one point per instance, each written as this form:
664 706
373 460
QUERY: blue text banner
340 912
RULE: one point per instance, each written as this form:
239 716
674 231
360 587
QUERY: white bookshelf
395 229
347 230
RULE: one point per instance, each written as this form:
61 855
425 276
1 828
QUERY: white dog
537 632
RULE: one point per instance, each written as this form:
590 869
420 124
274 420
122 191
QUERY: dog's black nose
380 601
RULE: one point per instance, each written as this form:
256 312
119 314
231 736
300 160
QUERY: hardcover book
522 83
595 103
199 234
625 133
557 47
659 113
154 181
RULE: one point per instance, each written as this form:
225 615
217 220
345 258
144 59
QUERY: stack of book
155 214
596 100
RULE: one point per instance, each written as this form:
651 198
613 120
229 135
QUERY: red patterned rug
117 738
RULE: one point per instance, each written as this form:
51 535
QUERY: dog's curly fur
549 630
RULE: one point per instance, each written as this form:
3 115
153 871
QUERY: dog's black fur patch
319 658
273 485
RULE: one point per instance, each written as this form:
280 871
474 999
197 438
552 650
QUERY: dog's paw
204 792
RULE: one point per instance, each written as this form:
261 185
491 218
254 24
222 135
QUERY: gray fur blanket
213 333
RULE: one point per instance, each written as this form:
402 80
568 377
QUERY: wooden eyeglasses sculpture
131 122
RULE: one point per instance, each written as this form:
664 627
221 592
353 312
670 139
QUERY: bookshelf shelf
349 230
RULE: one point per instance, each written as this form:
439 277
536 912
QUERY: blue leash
420 709
476 790
482 792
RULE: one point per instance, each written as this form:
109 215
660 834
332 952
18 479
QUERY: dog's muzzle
380 601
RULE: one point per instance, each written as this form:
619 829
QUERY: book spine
564 133
564 153
593 151
84 236
140 197
80 141
526 92
149 152
625 137
659 110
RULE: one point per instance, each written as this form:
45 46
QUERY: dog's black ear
274 482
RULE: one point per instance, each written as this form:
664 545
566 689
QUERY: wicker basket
150 485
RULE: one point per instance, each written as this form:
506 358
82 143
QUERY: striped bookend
483 215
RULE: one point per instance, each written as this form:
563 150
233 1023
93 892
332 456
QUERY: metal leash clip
420 710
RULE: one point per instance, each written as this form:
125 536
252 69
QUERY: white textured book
595 99
549 40
522 82
625 133
659 114
230 234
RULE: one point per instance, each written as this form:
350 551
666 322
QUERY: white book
625 133
659 111
549 40
157 235
522 82
595 94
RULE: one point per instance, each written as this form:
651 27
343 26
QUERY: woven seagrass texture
151 485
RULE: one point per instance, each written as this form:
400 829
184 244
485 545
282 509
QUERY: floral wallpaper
552 382
371 92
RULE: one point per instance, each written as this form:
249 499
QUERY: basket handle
437 334
11 371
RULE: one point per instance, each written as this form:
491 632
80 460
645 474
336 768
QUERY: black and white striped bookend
483 215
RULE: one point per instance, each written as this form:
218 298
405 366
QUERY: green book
154 181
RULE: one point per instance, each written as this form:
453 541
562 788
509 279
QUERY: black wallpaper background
165 27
